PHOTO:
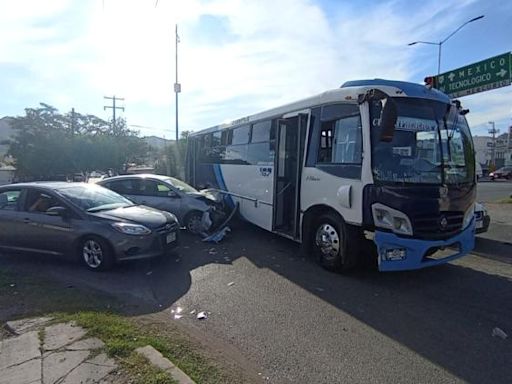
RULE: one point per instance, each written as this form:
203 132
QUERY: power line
113 107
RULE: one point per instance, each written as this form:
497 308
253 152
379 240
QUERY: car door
11 222
46 233
160 195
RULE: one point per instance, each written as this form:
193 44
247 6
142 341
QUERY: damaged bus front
420 207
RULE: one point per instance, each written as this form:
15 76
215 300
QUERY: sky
236 57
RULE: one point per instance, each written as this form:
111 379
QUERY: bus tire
329 243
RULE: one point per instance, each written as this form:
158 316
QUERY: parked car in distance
168 194
482 218
502 173
83 221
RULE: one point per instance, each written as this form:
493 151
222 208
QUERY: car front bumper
414 253
158 243
482 225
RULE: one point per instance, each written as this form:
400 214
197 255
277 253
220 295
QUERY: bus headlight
468 216
389 218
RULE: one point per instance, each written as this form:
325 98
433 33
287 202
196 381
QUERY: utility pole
177 86
73 122
113 107
493 131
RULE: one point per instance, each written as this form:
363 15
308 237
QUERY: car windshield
431 145
93 198
181 185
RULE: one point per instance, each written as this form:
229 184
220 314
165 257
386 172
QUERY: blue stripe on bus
222 184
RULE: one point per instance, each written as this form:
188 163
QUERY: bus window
261 131
241 135
260 154
216 138
236 154
341 141
226 137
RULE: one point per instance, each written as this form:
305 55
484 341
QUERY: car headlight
131 229
468 216
389 218
173 216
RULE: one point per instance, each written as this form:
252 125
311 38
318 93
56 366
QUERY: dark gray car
86 221
168 194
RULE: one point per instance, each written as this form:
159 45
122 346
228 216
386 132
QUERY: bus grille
435 227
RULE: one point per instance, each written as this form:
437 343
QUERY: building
502 150
6 174
5 134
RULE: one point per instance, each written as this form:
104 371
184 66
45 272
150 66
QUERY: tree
173 161
48 145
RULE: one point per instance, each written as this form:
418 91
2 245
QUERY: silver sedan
171 195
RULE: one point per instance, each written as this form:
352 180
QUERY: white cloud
273 52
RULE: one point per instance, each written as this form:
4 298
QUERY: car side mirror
57 211
388 120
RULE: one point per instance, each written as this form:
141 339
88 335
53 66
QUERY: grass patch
22 296
143 372
122 336
508 200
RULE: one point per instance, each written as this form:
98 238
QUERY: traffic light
430 82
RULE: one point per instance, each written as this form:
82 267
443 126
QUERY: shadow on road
445 314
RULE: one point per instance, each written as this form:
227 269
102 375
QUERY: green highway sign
478 77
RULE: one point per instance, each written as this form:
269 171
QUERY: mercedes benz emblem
443 222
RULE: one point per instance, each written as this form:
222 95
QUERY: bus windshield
431 144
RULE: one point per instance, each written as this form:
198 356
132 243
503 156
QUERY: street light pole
440 43
177 86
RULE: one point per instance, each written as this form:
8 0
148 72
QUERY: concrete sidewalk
39 353
500 228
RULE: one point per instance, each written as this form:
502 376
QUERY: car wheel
330 244
193 222
96 254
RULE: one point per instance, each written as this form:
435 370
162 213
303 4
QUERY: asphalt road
301 324
491 191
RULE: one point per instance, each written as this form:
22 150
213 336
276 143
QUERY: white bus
387 161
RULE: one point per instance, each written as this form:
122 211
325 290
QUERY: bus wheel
330 243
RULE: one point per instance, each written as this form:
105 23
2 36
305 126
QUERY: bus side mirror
388 120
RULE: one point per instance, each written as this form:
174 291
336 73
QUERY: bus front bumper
401 254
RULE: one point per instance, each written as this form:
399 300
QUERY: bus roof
349 91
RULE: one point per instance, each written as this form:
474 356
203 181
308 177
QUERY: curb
159 361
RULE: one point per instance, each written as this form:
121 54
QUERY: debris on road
231 284
177 313
498 332
149 273
217 236
192 311
202 315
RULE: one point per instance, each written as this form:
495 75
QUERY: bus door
290 137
